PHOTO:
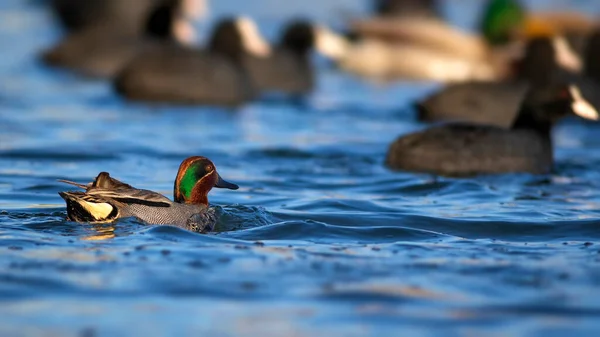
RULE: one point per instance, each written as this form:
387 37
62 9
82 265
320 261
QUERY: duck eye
208 168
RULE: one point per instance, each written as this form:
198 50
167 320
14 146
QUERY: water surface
320 239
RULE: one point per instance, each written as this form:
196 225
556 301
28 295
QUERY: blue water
320 239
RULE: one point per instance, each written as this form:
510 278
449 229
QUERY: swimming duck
425 48
102 50
421 48
546 60
107 199
462 149
214 76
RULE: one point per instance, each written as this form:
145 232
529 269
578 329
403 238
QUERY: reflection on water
320 239
101 233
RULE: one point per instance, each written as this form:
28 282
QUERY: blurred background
324 236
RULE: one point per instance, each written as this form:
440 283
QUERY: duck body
466 150
215 75
107 199
483 103
284 71
374 59
184 75
96 52
420 49
288 69
546 61
102 50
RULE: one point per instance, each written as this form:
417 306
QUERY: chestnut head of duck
195 178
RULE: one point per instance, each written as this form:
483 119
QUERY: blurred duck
422 49
107 199
288 68
129 16
102 51
546 61
214 76
425 48
382 61
466 149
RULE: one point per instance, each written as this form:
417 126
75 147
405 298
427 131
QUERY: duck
288 69
546 60
102 51
466 149
419 49
430 49
213 76
107 199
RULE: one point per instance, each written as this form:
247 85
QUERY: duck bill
221 183
184 31
252 40
582 107
330 44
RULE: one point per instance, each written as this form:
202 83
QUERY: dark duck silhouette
212 76
463 149
545 61
103 50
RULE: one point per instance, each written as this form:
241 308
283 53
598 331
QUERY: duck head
195 178
235 37
502 20
545 58
302 36
172 20
545 105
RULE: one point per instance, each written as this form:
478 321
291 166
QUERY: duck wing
103 180
82 207
85 187
132 196
106 188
